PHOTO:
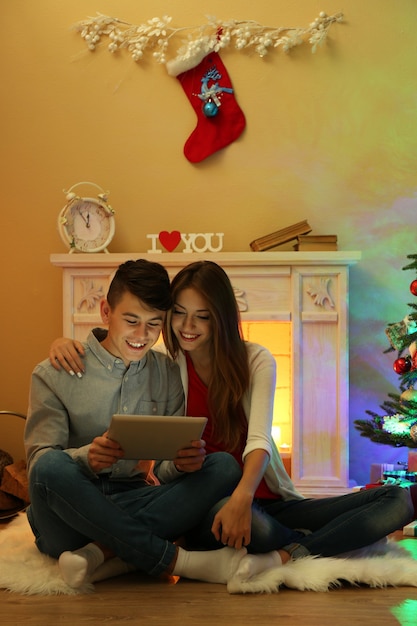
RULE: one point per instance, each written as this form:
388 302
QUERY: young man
89 505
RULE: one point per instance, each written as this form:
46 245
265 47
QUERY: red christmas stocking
220 119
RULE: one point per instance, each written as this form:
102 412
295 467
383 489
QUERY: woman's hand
103 453
232 524
191 459
67 353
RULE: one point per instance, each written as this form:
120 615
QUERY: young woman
232 382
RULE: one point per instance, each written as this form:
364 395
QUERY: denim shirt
67 412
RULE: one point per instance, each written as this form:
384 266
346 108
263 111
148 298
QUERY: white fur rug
23 569
384 564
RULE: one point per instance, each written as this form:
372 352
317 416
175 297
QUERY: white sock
79 565
212 566
110 568
253 564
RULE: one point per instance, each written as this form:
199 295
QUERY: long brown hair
230 368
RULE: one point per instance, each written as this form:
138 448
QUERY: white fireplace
309 291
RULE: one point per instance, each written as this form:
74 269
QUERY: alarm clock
86 224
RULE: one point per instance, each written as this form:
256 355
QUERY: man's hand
103 453
191 459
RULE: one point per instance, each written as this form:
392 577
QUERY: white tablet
155 436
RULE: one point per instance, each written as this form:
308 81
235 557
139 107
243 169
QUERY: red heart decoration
170 240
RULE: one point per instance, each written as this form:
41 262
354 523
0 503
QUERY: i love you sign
193 242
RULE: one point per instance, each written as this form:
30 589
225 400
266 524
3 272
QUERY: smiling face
133 328
191 323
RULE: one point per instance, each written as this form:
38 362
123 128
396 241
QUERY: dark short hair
146 280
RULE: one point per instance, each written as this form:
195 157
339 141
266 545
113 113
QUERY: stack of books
316 242
280 236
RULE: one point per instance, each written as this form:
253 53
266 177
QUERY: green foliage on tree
397 426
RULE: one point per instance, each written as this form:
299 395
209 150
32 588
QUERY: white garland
154 36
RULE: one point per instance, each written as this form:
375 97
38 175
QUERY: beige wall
330 137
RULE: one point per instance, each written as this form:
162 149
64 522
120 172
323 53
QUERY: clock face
87 225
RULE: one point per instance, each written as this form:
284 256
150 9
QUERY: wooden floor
135 599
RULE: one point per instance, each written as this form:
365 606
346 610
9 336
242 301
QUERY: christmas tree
398 426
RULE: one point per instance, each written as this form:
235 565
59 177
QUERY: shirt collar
109 361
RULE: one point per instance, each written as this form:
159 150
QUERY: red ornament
413 287
402 365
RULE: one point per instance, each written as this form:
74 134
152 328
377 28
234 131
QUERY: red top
197 406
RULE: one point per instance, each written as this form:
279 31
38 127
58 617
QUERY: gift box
400 476
378 469
411 529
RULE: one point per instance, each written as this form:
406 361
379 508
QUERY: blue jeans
336 525
138 522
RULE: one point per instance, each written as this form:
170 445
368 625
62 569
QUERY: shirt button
125 409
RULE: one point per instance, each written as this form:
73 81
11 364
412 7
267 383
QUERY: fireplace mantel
308 289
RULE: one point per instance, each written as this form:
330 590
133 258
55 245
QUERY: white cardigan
258 407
